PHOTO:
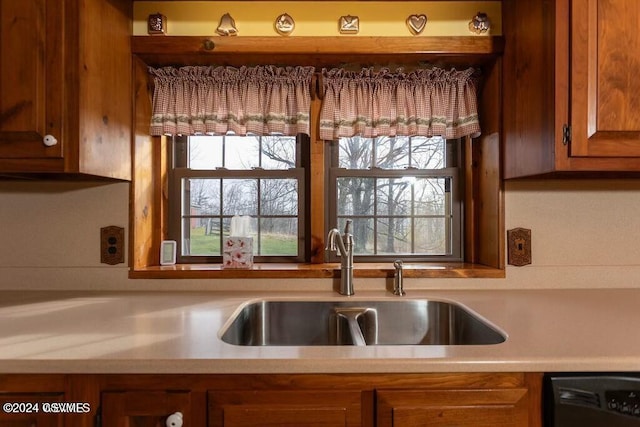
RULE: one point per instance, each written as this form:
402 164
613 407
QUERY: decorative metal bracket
566 134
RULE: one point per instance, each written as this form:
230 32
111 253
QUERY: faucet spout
398 288
343 244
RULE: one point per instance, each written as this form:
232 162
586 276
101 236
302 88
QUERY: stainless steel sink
401 322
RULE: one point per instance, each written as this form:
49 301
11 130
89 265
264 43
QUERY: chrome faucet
343 246
398 286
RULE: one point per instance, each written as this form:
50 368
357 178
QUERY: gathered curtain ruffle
262 100
424 102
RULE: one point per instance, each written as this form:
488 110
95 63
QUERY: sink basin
398 322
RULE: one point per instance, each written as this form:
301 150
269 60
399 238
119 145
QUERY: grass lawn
272 244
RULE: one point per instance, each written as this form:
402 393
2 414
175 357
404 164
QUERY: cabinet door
31 77
246 408
146 408
477 408
26 409
605 86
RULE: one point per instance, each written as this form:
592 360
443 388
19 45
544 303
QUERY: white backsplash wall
578 223
49 224
585 233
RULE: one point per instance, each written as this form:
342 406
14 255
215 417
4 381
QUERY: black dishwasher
592 400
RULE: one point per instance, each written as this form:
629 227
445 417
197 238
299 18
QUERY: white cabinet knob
174 420
49 140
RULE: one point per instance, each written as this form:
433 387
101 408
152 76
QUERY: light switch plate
519 246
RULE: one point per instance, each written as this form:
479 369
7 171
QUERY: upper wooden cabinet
571 92
65 87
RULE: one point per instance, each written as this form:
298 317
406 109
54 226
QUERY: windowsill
309 271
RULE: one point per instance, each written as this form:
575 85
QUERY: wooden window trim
484 211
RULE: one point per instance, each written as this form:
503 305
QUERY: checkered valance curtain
262 100
424 102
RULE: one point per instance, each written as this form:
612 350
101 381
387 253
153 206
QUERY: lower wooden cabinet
29 400
246 408
478 408
145 408
367 400
30 410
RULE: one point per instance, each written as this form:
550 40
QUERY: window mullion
395 173
259 211
224 152
375 216
413 215
221 217
245 173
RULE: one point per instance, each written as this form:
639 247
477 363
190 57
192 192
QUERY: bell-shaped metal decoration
227 26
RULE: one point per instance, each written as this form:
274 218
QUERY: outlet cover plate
112 245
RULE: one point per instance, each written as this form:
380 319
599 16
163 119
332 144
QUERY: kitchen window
402 194
214 178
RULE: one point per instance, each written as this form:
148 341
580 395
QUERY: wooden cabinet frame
556 67
66 72
603 69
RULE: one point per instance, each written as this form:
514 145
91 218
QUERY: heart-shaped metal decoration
416 23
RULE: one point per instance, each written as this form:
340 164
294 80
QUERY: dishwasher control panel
624 401
598 399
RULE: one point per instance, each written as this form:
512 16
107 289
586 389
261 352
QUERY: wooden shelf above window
317 51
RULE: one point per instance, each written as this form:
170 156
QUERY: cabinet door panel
31 77
144 408
605 88
477 408
243 408
37 417
274 416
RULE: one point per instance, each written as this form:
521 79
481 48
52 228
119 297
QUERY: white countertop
178 332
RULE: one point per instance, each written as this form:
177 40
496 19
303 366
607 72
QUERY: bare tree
280 149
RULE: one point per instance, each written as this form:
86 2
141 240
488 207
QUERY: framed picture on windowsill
168 252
